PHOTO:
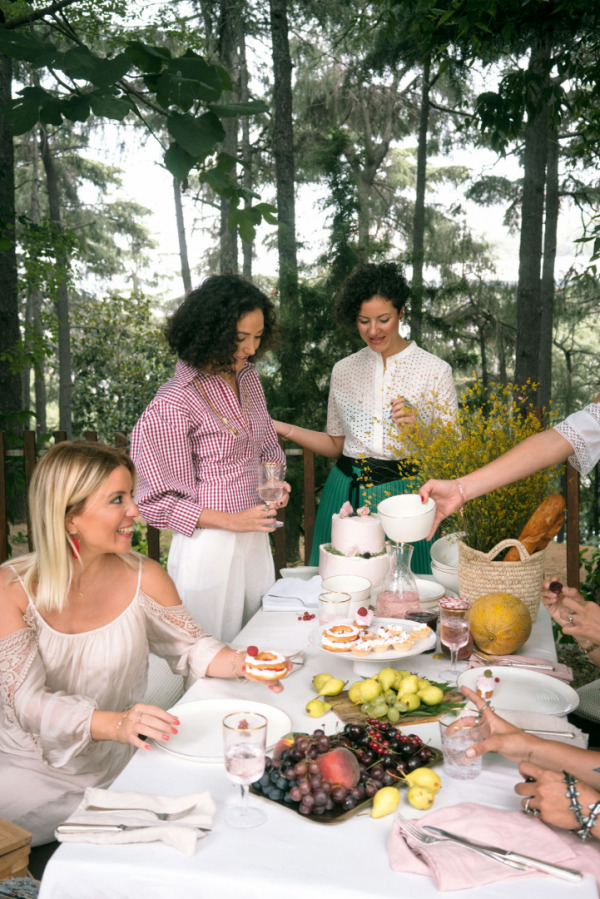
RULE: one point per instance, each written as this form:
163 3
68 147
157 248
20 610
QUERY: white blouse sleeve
57 723
175 636
582 430
335 425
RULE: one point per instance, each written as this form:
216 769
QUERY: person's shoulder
430 359
352 362
156 583
13 601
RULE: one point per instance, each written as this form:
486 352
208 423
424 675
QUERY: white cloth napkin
290 594
540 721
122 808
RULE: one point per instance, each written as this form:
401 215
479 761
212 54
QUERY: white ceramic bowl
429 592
406 518
358 587
449 578
444 552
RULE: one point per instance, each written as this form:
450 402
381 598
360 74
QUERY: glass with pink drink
455 613
244 745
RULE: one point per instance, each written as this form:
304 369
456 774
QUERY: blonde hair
62 481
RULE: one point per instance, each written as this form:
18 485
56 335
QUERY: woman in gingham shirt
197 448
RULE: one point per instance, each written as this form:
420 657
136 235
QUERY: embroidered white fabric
362 390
582 430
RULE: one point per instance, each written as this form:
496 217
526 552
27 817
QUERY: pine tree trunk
418 252
547 288
530 250
246 147
183 250
228 250
10 382
62 302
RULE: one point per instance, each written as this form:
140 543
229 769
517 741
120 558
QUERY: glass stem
244 799
453 659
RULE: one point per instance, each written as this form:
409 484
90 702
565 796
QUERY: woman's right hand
447 497
256 518
555 602
504 738
144 720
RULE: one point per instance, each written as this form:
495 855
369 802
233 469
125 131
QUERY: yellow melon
500 623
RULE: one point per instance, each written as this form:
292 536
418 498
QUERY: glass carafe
398 594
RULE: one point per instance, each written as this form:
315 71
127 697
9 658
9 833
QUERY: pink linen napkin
562 672
455 867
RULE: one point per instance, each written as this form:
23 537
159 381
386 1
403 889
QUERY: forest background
250 104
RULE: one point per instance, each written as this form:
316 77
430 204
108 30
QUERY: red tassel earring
75 547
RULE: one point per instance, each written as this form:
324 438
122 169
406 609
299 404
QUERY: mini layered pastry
339 637
363 618
267 665
486 683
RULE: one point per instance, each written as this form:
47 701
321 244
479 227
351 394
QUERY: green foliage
139 542
590 587
119 362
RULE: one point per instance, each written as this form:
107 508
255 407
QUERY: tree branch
38 14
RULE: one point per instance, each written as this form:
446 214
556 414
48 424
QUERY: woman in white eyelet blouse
374 394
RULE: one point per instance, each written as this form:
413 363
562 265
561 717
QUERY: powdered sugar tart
355 640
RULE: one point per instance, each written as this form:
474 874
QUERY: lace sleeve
175 636
57 725
582 430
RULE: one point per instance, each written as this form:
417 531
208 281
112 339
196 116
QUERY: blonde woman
78 617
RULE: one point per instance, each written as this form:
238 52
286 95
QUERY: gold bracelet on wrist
590 648
462 496
239 652
119 723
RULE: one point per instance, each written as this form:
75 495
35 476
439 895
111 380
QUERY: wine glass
270 484
454 631
244 744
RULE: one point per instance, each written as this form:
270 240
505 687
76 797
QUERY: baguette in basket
544 524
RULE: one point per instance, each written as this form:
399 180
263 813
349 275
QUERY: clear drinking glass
270 484
244 745
454 632
333 606
458 733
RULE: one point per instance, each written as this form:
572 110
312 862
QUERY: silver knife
526 665
82 827
564 873
567 734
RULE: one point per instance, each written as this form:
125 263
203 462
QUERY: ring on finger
571 619
267 507
530 811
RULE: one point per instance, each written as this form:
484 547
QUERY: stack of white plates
444 560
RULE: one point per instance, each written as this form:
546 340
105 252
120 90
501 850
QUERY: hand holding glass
454 630
244 744
271 484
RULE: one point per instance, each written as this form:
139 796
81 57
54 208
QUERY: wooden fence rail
29 454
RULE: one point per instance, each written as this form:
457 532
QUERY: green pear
319 680
419 797
422 684
385 801
408 685
412 701
387 678
354 693
369 689
400 675
332 687
424 777
431 695
316 708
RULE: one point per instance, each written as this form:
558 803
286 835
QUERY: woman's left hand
578 618
547 793
403 414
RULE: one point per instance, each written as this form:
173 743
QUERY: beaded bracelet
585 824
240 680
119 723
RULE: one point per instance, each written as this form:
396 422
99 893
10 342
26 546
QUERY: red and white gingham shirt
188 460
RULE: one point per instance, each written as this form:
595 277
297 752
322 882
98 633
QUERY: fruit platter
328 778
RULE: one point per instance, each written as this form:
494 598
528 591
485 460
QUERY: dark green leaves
197 136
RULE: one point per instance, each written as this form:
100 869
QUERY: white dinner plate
200 737
314 638
525 691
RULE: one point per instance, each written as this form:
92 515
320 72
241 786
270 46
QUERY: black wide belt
372 472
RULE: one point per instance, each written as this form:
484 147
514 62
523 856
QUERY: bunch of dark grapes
384 755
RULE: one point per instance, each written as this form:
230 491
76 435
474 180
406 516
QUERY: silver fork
162 816
421 837
286 596
499 660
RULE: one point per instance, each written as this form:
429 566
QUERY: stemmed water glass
244 744
454 631
271 484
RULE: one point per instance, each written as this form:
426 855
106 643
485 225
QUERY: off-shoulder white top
582 430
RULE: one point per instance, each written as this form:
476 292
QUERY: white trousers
221 577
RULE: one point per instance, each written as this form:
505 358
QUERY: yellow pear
408 685
420 797
422 684
316 707
354 693
319 680
411 701
400 675
424 777
385 801
387 678
369 689
431 695
332 687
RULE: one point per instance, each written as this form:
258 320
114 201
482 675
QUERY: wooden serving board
350 713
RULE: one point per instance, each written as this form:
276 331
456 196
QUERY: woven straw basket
479 574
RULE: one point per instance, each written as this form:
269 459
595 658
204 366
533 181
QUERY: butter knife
557 870
81 827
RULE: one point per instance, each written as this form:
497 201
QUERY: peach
284 743
339 766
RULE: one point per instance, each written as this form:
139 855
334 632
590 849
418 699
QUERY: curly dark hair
383 279
202 331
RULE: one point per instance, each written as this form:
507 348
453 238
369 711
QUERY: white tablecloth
289 856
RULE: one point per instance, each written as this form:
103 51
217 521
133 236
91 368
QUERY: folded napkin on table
122 808
559 727
455 867
562 672
290 594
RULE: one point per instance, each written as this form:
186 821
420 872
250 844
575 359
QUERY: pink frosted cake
357 546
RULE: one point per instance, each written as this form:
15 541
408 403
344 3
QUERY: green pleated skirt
335 494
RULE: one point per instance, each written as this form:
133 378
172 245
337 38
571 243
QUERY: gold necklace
244 415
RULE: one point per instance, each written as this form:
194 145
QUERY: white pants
221 577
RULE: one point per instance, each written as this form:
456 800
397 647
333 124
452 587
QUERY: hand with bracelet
130 725
560 799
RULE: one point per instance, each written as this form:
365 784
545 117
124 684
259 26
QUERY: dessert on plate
339 637
486 683
267 665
